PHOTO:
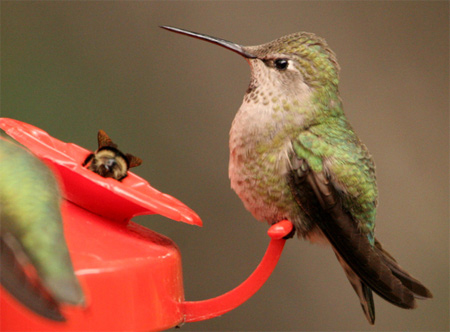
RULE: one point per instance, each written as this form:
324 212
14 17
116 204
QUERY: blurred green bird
35 264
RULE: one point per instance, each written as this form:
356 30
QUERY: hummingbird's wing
34 256
374 268
28 292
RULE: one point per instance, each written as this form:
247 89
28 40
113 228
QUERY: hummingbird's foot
290 235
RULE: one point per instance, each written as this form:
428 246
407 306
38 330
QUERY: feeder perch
131 276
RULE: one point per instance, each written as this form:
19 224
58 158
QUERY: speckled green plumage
31 218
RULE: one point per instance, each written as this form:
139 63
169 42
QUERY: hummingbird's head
294 63
299 58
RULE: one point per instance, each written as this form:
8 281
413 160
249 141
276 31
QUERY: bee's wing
133 160
104 140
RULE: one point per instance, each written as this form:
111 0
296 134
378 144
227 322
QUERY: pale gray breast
259 163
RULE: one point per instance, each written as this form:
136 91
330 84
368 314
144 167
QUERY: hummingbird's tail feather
354 246
415 286
16 281
364 293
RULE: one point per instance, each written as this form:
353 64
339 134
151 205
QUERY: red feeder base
131 276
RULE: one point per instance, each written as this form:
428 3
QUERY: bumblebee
108 161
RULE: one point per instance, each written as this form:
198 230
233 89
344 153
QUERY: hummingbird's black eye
281 64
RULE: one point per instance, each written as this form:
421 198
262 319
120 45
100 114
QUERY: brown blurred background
72 68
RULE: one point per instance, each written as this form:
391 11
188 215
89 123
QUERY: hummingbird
295 156
36 267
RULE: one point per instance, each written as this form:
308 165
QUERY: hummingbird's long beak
221 42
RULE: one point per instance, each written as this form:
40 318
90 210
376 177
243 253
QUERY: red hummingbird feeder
131 276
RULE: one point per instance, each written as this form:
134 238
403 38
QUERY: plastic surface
131 276
201 310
